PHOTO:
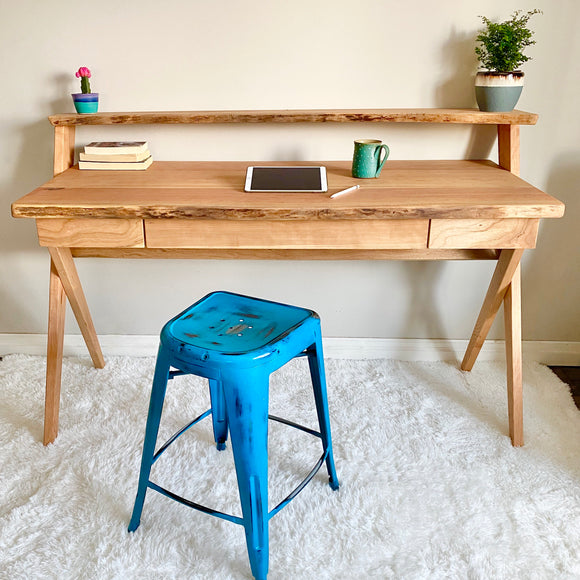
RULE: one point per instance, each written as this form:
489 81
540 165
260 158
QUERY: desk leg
64 279
504 286
56 312
67 272
513 344
504 271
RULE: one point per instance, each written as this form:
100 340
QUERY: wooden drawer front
265 234
90 233
481 234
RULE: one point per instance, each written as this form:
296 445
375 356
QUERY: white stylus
348 190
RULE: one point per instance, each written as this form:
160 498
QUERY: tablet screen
286 179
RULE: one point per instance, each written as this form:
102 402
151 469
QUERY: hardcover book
115 156
116 165
115 147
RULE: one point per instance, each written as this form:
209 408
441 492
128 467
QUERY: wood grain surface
473 234
90 232
466 116
214 190
285 254
292 234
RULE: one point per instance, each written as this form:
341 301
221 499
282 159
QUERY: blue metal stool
237 342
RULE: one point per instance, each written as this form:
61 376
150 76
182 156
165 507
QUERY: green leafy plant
503 43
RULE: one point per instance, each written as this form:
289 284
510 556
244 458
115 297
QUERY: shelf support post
508 143
64 148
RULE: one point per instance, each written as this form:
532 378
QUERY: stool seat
230 324
236 342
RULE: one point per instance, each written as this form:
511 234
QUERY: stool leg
153 418
218 414
316 364
247 410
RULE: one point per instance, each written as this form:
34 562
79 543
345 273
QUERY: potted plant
501 52
85 101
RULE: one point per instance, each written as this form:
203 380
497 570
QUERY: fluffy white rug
430 485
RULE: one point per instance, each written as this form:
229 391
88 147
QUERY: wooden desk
416 210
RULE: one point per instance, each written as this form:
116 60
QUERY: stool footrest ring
197 506
295 425
217 513
300 487
178 434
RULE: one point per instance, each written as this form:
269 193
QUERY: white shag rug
430 485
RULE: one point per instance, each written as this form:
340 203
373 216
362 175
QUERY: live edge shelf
416 210
465 116
507 124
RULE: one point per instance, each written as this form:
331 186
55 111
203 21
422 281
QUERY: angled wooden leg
67 272
506 266
513 344
56 312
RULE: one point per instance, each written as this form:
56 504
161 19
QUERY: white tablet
289 179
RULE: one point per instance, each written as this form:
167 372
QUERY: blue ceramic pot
498 92
86 102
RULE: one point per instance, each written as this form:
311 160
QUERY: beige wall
178 55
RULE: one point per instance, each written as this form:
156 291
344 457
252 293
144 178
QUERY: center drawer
280 234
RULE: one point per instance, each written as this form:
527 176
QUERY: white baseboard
546 352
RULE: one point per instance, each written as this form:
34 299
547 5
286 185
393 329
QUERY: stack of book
129 155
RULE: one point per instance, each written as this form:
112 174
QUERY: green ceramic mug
366 161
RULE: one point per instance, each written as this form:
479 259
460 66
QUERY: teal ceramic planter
86 102
498 92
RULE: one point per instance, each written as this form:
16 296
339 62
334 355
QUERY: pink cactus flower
83 72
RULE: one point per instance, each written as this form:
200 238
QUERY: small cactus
84 74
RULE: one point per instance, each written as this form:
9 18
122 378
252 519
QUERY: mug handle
387 151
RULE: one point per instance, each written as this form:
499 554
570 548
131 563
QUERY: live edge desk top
413 205
415 210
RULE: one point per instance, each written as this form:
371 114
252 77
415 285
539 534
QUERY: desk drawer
483 234
280 234
90 233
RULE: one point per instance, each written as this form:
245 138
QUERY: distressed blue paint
237 342
229 323
218 414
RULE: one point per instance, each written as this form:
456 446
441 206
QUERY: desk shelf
508 124
452 116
